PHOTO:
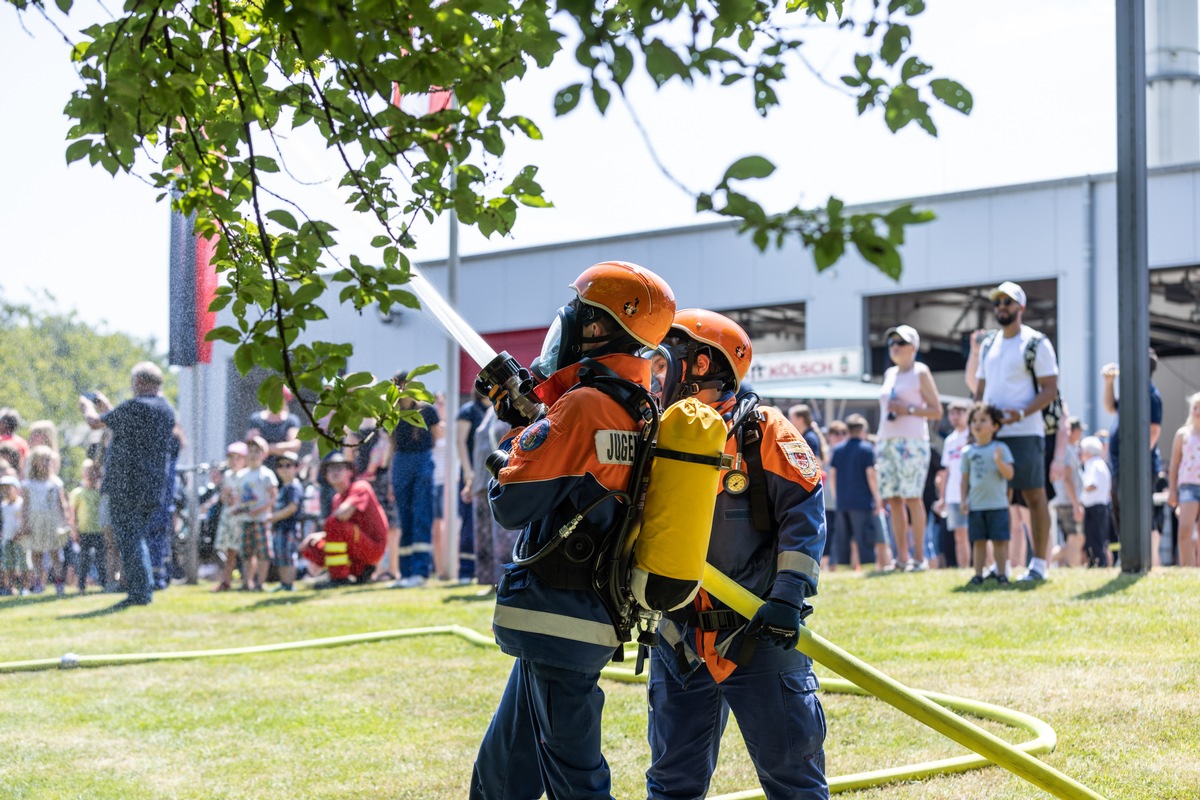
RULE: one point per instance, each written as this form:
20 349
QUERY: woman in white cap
907 401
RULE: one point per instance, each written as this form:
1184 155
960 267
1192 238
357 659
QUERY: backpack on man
1052 415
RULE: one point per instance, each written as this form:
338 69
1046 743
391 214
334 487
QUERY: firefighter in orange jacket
355 534
768 534
545 735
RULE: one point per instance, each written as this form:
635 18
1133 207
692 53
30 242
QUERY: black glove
506 412
499 385
777 623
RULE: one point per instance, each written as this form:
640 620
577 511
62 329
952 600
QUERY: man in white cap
1006 380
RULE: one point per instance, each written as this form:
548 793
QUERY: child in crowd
43 432
987 466
85 508
14 559
228 541
1097 494
257 490
1183 489
45 527
950 481
285 531
10 459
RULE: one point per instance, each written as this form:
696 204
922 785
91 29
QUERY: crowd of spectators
1007 479
263 509
117 522
878 485
387 484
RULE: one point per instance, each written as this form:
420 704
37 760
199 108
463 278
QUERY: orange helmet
636 298
716 330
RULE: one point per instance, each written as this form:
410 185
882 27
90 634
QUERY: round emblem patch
534 436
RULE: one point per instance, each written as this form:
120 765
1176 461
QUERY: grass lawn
1111 663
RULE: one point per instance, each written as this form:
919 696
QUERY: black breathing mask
563 345
665 373
561 341
675 370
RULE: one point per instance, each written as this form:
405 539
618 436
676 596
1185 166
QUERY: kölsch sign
806 364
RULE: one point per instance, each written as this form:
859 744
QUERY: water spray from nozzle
432 301
436 306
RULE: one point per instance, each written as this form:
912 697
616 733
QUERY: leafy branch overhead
206 101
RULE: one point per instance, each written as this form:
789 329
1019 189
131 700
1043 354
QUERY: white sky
1042 78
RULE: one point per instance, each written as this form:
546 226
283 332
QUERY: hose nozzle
507 383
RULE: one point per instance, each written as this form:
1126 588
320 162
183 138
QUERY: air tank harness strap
632 397
749 437
693 458
566 561
717 619
609 573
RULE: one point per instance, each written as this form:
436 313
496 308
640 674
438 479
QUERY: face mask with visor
671 374
564 342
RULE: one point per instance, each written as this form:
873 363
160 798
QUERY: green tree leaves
953 94
49 358
212 87
749 167
903 94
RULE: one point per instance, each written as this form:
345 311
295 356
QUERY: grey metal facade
1061 230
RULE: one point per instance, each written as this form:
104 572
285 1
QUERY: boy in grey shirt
987 466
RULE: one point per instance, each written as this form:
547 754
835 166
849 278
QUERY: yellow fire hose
919 707
861 679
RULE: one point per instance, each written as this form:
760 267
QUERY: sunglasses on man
1003 301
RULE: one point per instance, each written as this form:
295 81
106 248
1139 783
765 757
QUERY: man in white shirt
1004 380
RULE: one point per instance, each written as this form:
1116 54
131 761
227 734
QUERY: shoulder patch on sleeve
534 436
801 458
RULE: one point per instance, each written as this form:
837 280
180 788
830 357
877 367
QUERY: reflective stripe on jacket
558 466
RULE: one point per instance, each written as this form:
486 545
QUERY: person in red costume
355 534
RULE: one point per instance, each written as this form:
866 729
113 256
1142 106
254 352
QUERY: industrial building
819 336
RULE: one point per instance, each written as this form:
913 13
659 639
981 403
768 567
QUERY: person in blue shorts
987 467
855 480
285 519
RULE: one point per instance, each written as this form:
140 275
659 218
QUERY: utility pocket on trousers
805 716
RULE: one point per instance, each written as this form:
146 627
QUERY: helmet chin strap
694 388
693 383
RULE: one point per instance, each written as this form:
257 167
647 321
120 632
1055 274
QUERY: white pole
450 545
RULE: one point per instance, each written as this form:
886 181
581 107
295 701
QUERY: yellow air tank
670 550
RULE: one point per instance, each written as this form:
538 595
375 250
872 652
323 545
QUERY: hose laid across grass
1043 742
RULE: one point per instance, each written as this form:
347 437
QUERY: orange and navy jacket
580 450
783 564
